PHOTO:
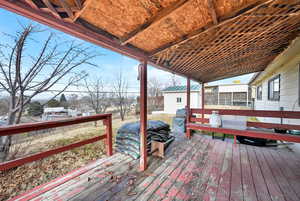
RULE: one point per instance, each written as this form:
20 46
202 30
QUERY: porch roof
204 40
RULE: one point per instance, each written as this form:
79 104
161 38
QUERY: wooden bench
250 131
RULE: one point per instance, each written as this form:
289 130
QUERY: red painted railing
253 113
21 128
248 133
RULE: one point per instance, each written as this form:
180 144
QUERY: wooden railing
21 128
248 133
252 113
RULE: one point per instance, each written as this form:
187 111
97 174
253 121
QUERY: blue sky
109 63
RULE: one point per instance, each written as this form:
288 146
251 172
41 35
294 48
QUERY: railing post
188 106
202 102
109 149
143 115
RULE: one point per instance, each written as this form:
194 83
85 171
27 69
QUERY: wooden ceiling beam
74 9
67 8
212 11
32 4
208 27
78 4
83 8
152 21
51 8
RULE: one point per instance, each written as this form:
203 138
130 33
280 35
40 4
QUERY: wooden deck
198 169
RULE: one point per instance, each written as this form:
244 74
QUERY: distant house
278 86
175 98
51 113
234 94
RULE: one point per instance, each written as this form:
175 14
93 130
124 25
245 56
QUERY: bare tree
173 81
74 101
122 101
25 75
155 99
4 105
98 99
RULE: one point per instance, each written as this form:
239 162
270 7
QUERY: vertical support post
202 101
234 139
188 105
247 97
108 123
143 115
218 97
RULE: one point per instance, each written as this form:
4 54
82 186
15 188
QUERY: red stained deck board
249 191
82 180
236 193
274 190
207 170
223 193
214 177
192 181
88 182
40 190
290 169
148 186
281 180
177 190
258 179
201 183
160 183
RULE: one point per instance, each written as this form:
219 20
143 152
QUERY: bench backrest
252 113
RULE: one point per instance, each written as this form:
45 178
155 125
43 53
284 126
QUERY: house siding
289 93
171 105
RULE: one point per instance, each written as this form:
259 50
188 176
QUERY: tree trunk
5 141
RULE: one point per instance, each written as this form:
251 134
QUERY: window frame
257 92
178 98
269 84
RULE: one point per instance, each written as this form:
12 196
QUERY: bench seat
248 133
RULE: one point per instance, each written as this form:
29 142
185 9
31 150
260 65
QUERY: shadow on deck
197 169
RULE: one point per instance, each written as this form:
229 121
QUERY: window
274 88
178 100
259 93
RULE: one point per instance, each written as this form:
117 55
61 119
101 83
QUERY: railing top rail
253 113
20 128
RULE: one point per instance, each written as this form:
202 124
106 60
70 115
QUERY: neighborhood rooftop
182 88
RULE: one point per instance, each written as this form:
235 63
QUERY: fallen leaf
131 193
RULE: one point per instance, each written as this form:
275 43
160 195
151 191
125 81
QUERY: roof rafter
67 8
83 8
153 20
212 11
208 27
32 4
51 8
78 4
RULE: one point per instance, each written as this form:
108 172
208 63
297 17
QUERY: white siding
233 88
289 93
171 105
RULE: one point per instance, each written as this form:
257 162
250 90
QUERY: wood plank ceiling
205 40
